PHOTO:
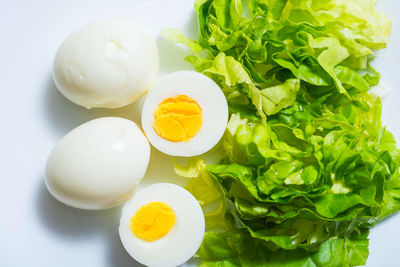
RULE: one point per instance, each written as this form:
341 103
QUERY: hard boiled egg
98 164
108 63
185 114
162 225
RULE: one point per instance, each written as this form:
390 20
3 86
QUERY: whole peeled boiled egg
162 225
108 63
98 164
185 114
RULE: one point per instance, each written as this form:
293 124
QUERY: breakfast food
162 225
98 164
184 114
108 63
307 167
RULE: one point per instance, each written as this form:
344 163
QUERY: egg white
183 240
211 100
98 164
108 63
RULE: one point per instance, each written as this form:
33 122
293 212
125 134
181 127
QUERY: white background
36 230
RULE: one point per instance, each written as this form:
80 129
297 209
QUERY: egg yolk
152 221
178 118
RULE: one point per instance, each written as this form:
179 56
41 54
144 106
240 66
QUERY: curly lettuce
308 167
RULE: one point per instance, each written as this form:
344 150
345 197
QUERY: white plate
35 229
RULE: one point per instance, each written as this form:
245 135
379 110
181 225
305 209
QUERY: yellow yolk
178 118
152 221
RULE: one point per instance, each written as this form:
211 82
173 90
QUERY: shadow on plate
161 169
63 115
74 224
191 27
172 56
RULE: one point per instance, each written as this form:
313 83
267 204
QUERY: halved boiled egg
185 114
162 225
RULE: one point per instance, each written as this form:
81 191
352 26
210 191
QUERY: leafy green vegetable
308 168
193 169
239 249
202 186
297 187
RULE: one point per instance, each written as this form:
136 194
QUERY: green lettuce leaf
239 249
308 167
